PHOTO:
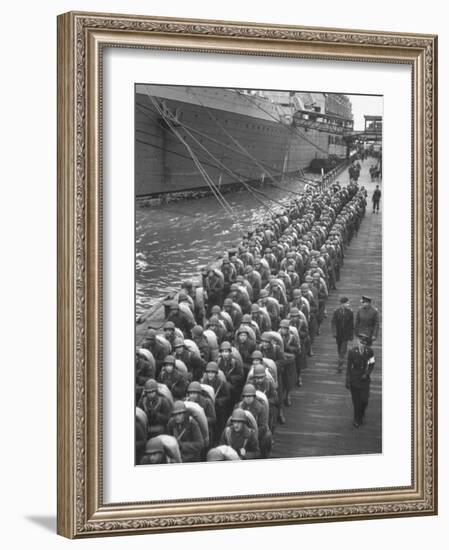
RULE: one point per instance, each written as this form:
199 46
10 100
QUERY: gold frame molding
81 37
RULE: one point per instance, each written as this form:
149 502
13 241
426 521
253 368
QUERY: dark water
174 241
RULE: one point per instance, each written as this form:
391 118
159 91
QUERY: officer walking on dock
360 365
367 320
343 329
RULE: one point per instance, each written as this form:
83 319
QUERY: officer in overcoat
360 365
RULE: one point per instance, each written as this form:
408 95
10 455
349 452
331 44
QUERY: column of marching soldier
215 382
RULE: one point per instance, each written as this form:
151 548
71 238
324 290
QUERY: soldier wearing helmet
255 280
263 269
214 286
154 452
229 274
156 347
222 396
232 370
272 350
271 260
217 326
322 292
202 343
261 317
272 306
300 302
313 314
197 295
250 403
187 432
195 365
234 311
294 279
245 346
299 321
236 262
145 368
181 319
261 382
169 332
156 407
240 437
172 378
292 348
195 394
240 295
226 319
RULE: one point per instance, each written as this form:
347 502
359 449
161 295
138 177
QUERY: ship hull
228 144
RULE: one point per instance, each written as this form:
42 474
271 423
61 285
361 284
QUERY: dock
320 420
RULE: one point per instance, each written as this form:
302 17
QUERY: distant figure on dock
360 365
376 199
343 329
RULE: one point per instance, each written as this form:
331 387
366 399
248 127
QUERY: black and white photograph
258 274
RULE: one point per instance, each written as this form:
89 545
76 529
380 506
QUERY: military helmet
178 342
225 345
285 323
247 318
169 360
179 407
151 334
294 312
255 308
215 309
214 320
212 367
194 387
259 370
296 293
228 302
234 287
150 385
249 390
197 330
265 337
153 446
263 293
305 286
257 355
169 325
238 415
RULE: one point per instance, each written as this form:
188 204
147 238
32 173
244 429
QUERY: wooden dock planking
319 422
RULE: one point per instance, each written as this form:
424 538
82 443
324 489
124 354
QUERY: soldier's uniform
189 438
158 411
367 319
360 365
175 382
245 439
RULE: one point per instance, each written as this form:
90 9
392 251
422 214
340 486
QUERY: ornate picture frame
82 39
